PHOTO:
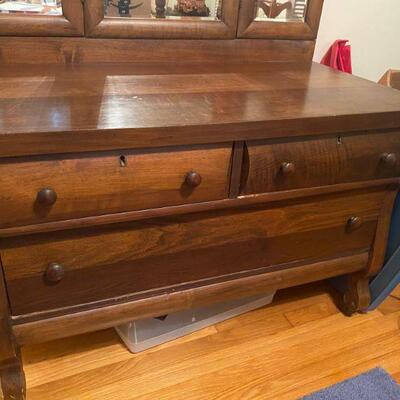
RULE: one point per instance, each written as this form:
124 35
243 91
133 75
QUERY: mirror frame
69 24
96 25
297 30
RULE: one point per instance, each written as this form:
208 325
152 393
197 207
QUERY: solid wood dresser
182 173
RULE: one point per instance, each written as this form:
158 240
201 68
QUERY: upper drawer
38 190
306 162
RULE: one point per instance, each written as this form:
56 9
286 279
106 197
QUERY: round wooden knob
46 196
389 159
193 179
287 168
353 223
54 273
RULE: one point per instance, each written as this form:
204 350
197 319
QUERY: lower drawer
51 271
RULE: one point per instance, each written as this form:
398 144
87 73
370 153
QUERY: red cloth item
339 56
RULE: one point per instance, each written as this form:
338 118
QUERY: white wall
373 28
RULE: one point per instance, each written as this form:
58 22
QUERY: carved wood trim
99 26
111 315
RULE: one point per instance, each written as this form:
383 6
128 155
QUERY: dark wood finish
161 28
239 102
287 168
113 315
356 297
52 50
12 376
69 24
85 185
54 273
241 201
389 159
355 294
209 245
236 171
249 28
307 162
145 176
150 255
354 223
13 384
382 233
46 197
193 179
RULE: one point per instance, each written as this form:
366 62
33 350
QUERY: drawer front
306 162
42 190
130 258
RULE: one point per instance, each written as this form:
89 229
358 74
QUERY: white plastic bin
143 334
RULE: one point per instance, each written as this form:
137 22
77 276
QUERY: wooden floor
299 344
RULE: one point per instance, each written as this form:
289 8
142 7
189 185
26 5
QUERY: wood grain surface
12 378
156 254
224 27
72 51
319 162
146 176
105 183
130 106
225 204
267 354
39 327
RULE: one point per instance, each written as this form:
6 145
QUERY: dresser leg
353 294
13 384
12 376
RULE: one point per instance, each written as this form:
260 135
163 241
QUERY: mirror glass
31 7
161 9
281 10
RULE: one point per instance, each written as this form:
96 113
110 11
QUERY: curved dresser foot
356 296
13 384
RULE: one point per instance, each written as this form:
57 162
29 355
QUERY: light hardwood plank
299 344
310 313
390 305
396 292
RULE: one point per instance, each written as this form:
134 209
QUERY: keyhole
339 140
123 161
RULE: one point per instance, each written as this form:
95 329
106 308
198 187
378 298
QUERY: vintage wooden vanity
150 163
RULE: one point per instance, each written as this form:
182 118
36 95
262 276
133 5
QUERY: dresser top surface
52 108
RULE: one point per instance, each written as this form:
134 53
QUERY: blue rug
376 384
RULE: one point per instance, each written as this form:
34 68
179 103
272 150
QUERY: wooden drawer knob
389 159
353 223
193 179
54 273
46 196
287 168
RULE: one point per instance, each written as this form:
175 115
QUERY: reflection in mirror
282 10
171 9
42 7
